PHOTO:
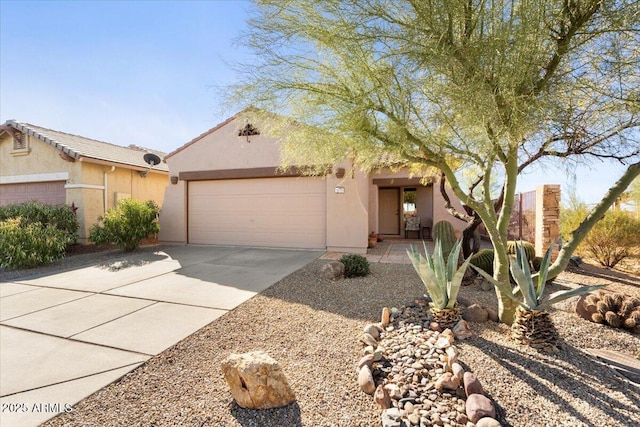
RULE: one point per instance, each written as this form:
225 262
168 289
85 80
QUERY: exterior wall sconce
340 173
174 179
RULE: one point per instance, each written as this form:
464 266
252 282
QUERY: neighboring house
227 189
59 168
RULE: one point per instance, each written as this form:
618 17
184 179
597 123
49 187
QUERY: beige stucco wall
85 183
347 216
114 181
222 149
347 212
41 159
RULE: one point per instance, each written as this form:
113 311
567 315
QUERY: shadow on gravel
388 285
572 380
287 416
609 274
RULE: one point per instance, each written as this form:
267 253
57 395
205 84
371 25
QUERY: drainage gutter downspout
104 191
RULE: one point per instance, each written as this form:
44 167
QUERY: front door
389 210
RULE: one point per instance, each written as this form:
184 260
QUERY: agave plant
442 281
532 324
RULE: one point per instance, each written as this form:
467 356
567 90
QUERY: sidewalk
389 251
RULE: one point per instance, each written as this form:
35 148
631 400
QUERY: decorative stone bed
411 368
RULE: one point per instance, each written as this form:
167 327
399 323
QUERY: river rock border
411 368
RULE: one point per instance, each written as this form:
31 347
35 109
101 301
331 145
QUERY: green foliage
355 265
26 244
571 216
58 216
531 286
488 88
613 238
484 260
127 225
442 280
444 233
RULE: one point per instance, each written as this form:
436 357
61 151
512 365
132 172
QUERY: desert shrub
26 244
613 238
58 216
571 215
355 265
126 225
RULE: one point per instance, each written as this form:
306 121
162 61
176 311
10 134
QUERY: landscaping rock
452 356
366 360
479 406
582 310
257 381
486 286
493 315
381 398
447 382
457 370
333 270
365 380
463 301
462 331
394 391
472 384
487 422
475 313
367 339
391 418
372 330
385 318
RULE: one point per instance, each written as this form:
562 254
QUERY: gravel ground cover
312 326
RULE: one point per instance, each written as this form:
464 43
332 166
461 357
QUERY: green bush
613 238
570 218
58 216
26 244
127 225
355 265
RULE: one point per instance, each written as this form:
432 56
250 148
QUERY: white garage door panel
278 212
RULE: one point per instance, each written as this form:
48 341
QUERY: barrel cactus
529 250
444 233
484 260
616 310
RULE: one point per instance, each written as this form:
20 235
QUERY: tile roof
79 147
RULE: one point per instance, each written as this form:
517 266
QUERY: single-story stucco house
59 168
227 188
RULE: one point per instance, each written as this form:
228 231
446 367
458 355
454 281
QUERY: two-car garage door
276 212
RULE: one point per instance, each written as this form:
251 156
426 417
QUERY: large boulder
479 406
257 381
333 270
475 313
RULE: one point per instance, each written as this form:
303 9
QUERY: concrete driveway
66 335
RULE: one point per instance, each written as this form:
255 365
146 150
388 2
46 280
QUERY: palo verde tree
460 87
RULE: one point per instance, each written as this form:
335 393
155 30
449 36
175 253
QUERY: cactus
529 249
484 260
612 319
613 309
444 232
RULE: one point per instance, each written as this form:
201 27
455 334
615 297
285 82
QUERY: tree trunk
471 234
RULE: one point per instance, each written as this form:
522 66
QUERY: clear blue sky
146 72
